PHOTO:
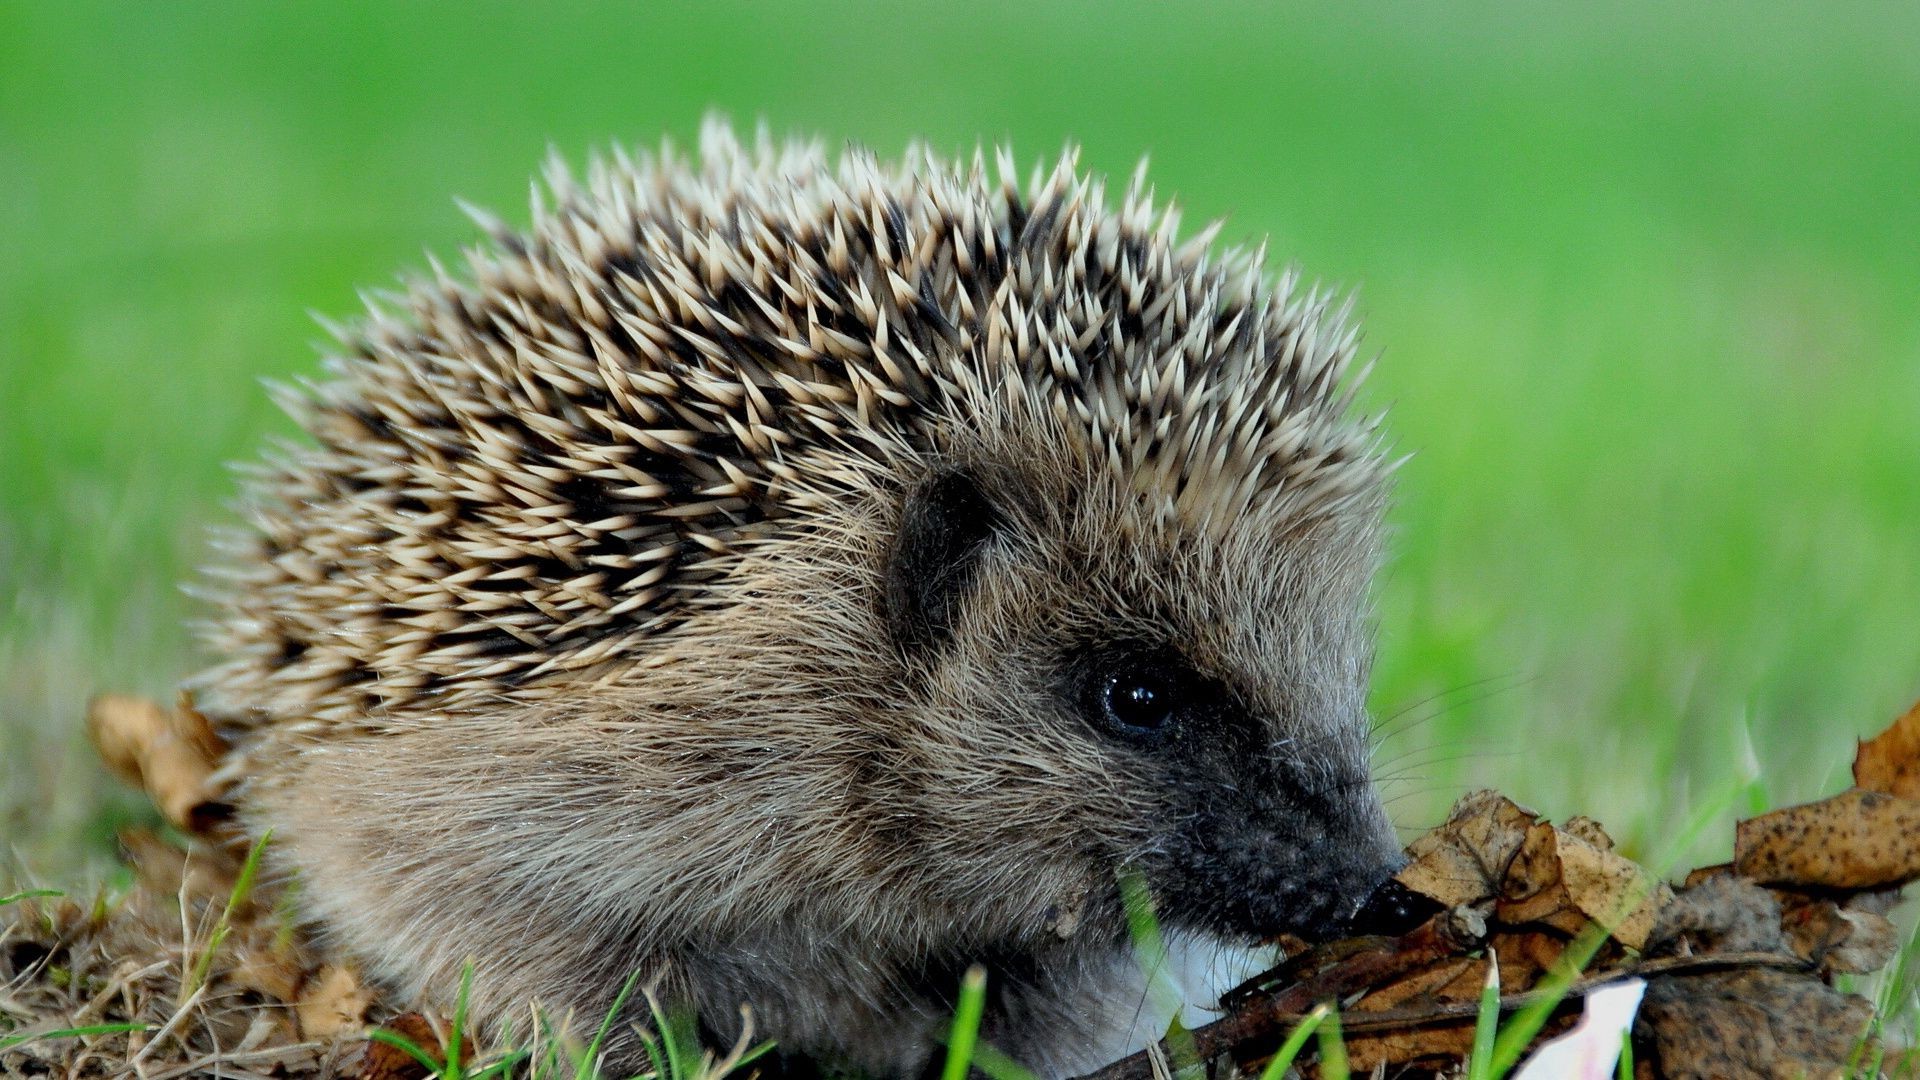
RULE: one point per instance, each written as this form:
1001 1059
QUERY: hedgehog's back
538 471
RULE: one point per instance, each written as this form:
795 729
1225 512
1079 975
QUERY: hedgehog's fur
692 591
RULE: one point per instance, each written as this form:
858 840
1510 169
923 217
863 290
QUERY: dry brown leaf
1548 907
1838 939
1870 943
1557 878
333 1003
1465 860
384 1061
1589 830
1721 913
1441 982
1702 874
1535 868
1447 1042
1525 956
1890 761
1756 1024
170 754
1612 890
1854 840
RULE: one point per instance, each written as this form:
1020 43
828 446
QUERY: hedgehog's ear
945 523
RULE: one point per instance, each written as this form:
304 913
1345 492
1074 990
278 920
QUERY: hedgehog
790 580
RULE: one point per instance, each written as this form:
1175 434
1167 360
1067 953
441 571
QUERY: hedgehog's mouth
1250 912
1308 876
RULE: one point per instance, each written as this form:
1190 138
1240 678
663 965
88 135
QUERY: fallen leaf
1465 860
1703 874
1559 879
385 1061
1447 1042
169 754
1612 890
1756 1024
1838 939
1458 979
1854 840
1589 830
1535 868
1890 761
1525 956
1721 913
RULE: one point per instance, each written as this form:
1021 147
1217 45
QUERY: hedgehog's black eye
1143 693
1138 700
1137 693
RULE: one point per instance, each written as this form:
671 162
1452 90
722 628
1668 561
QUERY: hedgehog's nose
1391 909
1355 901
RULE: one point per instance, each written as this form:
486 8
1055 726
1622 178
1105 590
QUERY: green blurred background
1643 278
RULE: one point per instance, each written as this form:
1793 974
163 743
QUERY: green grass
1643 276
671 1042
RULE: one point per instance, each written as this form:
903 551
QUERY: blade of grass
589 1059
966 1024
655 1057
242 887
457 1030
1282 1059
1487 1025
1150 946
1333 1049
10 1041
508 1061
678 1041
29 894
408 1047
740 1056
999 1066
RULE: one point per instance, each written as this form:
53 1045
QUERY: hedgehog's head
1115 680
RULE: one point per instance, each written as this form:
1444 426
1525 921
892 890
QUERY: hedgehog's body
795 583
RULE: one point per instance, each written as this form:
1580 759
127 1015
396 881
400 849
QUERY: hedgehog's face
1135 694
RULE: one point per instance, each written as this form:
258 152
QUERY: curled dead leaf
1492 848
1452 981
1465 860
1457 979
169 753
1589 830
1371 1050
1890 761
1612 890
1525 956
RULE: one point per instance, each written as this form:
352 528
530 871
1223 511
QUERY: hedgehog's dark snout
1359 897
1262 860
